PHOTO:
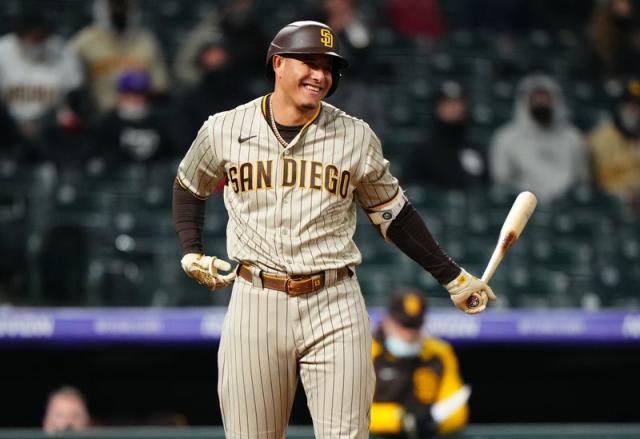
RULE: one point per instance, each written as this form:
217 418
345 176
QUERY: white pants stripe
268 336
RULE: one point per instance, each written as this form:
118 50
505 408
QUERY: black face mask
218 79
623 22
450 132
542 114
119 21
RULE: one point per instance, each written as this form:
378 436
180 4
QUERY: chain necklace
272 120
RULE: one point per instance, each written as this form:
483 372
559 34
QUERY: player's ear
278 63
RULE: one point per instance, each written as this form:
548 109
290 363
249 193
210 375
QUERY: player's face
64 413
305 79
391 327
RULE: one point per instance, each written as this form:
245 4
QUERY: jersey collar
309 122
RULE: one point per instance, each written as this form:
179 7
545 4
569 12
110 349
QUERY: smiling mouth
312 88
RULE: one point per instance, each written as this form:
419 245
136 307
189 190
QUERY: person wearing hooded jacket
539 149
114 44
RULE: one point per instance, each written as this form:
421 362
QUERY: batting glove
204 269
467 285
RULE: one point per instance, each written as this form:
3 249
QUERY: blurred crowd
109 91
113 91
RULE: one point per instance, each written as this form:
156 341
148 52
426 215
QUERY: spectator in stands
238 22
133 131
506 21
447 159
66 411
9 133
355 97
114 44
615 146
416 18
348 22
539 149
419 391
66 132
615 38
218 89
37 71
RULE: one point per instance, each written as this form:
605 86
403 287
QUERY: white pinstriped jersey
290 209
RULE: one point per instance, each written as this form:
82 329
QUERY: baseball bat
518 216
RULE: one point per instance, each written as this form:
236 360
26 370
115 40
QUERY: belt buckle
313 282
288 286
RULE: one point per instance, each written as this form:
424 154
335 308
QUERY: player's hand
418 423
204 269
467 285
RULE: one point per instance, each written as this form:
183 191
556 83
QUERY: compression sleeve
411 235
188 218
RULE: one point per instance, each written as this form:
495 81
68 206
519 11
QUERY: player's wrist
452 274
459 282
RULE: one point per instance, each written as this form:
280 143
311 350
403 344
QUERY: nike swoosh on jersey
244 139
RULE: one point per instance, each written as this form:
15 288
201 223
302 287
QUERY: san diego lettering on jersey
308 174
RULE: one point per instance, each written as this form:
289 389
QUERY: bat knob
473 301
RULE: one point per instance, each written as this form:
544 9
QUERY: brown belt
292 285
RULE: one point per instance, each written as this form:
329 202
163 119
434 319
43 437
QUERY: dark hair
31 21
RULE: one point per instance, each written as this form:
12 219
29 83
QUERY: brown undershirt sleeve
188 218
411 235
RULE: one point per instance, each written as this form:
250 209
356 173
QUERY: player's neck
287 113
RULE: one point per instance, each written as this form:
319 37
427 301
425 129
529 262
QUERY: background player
419 390
296 169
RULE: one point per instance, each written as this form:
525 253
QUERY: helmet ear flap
335 75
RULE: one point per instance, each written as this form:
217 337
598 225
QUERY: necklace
272 120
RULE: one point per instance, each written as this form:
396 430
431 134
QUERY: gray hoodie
547 160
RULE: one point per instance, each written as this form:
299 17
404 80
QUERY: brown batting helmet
307 38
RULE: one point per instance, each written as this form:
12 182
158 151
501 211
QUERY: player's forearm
411 235
188 218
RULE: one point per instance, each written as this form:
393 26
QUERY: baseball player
419 391
296 169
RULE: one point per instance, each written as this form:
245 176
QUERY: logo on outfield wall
631 326
327 37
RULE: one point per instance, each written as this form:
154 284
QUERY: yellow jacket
616 160
432 377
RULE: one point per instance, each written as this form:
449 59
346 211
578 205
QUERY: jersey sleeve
450 384
377 186
200 170
73 76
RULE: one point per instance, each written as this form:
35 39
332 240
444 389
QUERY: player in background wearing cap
419 391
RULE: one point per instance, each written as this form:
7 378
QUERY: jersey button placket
283 218
285 225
